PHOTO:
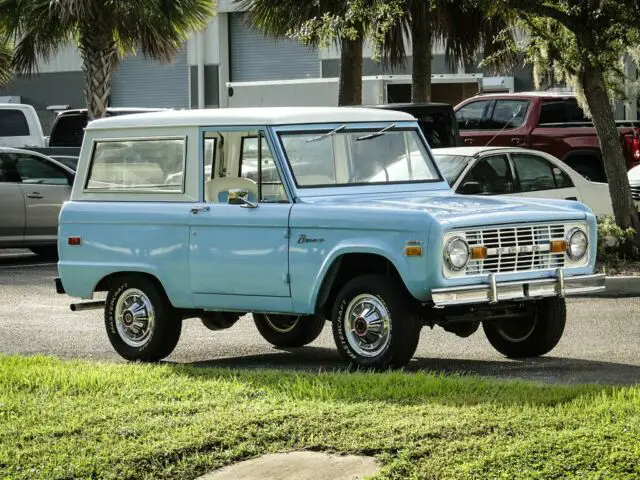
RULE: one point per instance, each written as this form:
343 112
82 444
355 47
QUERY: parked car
519 172
379 257
20 126
551 122
33 188
437 121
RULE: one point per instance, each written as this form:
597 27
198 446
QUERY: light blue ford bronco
302 216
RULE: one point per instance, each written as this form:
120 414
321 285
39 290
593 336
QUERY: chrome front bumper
494 292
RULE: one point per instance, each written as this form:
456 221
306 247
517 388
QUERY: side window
536 173
492 175
8 170
473 116
508 114
13 123
267 176
561 111
35 170
243 164
146 165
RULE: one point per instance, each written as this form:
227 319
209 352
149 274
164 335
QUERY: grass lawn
76 419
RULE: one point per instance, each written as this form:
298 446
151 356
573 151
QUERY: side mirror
240 196
470 188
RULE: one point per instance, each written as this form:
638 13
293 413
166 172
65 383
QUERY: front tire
288 331
532 336
372 324
141 323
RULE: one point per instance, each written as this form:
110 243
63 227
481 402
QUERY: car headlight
456 253
577 244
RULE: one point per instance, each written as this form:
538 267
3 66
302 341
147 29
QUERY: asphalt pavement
601 342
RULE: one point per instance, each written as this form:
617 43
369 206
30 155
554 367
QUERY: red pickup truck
546 121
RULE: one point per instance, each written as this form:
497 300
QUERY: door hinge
287 278
287 233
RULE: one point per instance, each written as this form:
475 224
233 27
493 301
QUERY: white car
519 172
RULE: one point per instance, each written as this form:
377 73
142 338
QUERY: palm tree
462 25
6 56
103 32
282 18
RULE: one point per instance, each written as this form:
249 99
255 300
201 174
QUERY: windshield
343 156
451 166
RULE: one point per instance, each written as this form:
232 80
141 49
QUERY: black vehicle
437 121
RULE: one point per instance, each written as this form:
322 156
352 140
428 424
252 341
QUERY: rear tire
372 324
141 323
289 331
531 336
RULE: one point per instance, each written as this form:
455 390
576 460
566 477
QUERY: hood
469 211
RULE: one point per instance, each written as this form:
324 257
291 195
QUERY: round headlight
577 244
456 253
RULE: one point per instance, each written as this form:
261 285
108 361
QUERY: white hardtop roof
468 151
251 116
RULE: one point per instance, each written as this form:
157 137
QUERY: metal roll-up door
142 82
255 57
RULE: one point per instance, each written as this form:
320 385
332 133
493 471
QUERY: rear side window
561 111
13 123
68 130
509 114
146 165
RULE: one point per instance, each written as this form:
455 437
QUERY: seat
217 190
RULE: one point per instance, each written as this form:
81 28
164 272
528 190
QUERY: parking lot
601 343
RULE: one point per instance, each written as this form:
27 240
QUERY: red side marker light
74 241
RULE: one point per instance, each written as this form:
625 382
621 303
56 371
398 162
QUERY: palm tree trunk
615 167
100 60
350 86
422 45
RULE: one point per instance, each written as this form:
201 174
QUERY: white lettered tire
141 323
372 324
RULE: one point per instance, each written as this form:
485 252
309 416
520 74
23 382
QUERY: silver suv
33 188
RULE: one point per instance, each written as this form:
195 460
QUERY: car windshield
451 166
344 156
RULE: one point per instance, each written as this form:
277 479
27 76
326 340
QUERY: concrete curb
618 287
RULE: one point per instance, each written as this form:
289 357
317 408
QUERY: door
239 232
490 175
537 177
494 123
11 205
45 187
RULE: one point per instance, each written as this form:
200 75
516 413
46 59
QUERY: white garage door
141 82
255 57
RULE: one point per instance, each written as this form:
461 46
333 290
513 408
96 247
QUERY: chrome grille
516 249
635 192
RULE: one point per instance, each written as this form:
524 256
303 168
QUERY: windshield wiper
325 135
376 134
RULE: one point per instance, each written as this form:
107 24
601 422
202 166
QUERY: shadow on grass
548 369
316 373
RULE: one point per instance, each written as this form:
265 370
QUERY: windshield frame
364 128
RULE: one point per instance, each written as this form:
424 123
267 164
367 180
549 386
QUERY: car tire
289 331
141 323
533 336
47 253
362 339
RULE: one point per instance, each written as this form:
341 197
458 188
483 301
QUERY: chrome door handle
517 141
35 195
197 210
468 141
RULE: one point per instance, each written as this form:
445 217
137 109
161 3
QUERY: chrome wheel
281 323
135 317
367 325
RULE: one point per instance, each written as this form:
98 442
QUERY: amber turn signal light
478 252
558 246
413 251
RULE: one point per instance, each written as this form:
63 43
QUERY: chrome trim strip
493 292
